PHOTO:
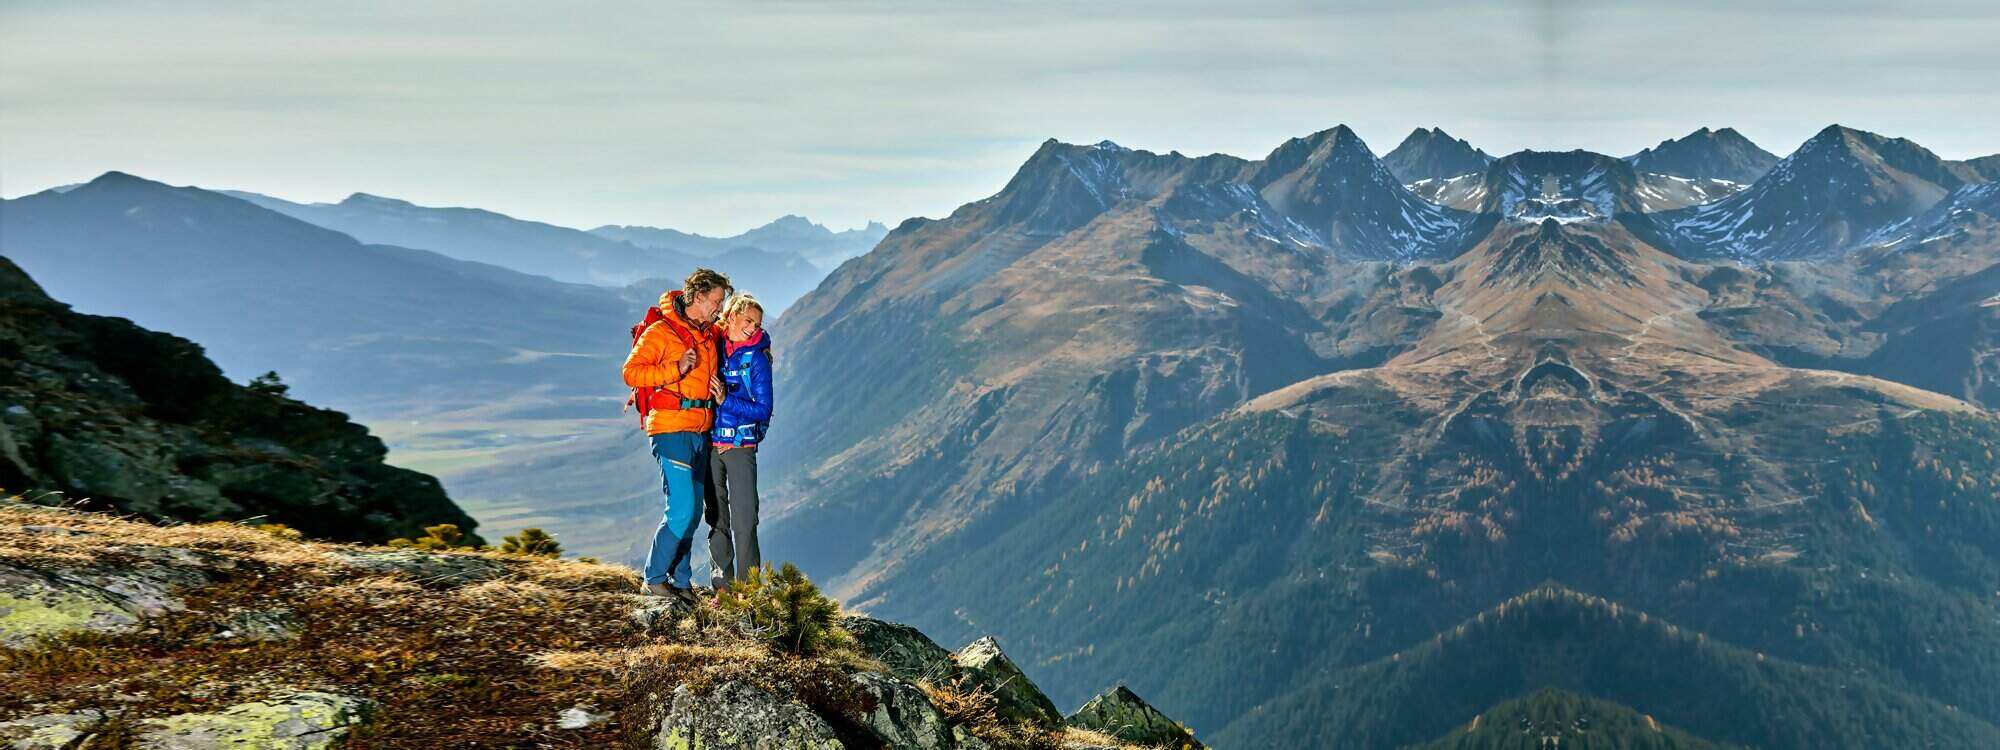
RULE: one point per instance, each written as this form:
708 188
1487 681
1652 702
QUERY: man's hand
714 387
687 362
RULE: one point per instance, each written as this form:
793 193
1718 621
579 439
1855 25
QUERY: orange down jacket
655 361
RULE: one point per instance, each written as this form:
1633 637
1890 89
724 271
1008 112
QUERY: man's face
703 307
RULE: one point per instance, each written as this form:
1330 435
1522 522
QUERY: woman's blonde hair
738 303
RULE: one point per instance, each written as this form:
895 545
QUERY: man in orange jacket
674 363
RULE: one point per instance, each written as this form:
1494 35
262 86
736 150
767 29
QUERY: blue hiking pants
683 458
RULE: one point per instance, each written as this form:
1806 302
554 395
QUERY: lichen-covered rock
902 716
1120 713
430 569
305 721
48 732
987 668
735 715
907 653
52 599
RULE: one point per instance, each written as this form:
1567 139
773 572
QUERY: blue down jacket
745 412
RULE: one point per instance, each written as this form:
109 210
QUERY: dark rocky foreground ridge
116 633
114 416
1312 469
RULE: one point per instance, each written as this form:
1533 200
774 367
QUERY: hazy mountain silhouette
797 235
344 322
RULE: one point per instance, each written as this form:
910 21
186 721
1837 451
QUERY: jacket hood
670 307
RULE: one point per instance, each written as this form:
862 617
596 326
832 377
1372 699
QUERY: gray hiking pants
732 513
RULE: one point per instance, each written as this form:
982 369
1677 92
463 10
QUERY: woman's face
744 324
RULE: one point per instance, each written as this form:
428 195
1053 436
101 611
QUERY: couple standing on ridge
700 372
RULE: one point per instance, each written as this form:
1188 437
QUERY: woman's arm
752 402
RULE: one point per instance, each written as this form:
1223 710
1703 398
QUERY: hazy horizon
719 118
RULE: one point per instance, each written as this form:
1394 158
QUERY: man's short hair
703 280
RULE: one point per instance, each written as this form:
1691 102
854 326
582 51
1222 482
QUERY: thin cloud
715 117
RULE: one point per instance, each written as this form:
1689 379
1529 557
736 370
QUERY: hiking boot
662 589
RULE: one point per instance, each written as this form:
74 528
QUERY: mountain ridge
1568 393
1707 154
1430 153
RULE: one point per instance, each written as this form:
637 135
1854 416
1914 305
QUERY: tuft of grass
979 712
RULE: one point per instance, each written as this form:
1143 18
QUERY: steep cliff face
114 416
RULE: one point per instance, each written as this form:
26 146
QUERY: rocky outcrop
302 721
118 417
306 721
987 668
902 716
96 596
1120 713
120 633
737 715
906 651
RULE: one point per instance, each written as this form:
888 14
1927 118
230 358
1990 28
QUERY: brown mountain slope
1172 438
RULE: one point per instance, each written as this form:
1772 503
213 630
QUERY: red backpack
658 397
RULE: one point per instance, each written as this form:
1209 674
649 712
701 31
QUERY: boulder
1120 713
49 731
906 652
737 715
901 715
985 667
304 721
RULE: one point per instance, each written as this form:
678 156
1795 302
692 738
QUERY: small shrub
443 536
535 542
783 608
269 384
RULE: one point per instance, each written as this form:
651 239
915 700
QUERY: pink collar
735 345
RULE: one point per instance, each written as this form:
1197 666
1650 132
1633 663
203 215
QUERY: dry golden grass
484 663
448 666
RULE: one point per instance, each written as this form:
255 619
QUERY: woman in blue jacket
740 422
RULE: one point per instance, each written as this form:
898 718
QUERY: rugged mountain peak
1430 153
1564 185
1063 186
1332 184
1841 188
1706 154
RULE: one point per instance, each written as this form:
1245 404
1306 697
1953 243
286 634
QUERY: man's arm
655 359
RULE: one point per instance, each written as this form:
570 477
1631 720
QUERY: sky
717 117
